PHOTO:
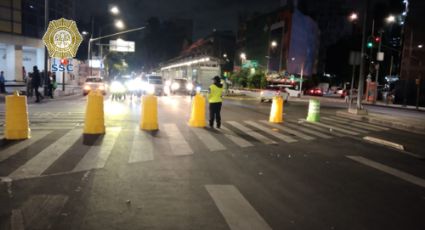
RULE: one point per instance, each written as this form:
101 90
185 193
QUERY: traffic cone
149 117
94 120
276 112
16 118
313 111
197 117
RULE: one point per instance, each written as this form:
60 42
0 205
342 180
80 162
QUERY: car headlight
198 89
150 89
175 86
101 87
167 82
189 86
87 87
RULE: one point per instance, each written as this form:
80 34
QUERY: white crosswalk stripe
251 133
268 130
291 131
349 121
14 149
344 127
209 141
331 127
350 124
37 165
178 144
235 138
141 148
309 131
97 156
143 145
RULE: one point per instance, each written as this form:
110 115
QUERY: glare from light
117 87
189 86
243 56
84 33
198 89
353 17
87 87
175 86
188 63
115 10
390 19
273 44
150 89
420 46
225 55
119 24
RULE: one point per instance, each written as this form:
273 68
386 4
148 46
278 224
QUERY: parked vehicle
314 92
94 83
271 91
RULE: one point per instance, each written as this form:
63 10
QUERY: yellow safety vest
215 94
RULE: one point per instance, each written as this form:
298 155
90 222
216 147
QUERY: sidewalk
70 90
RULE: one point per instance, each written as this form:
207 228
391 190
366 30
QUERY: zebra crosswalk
67 143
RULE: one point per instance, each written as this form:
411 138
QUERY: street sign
250 64
62 38
355 58
121 45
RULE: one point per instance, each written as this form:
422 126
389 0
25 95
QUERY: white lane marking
331 127
142 147
38 164
14 149
97 156
351 124
320 129
235 138
236 210
309 131
17 220
344 126
208 139
384 142
360 123
251 133
178 144
268 130
392 171
291 131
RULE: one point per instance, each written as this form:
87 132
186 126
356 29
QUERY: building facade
21 29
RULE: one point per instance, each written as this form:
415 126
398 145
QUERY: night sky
206 14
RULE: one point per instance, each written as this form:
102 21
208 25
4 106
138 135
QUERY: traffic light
369 45
378 39
64 61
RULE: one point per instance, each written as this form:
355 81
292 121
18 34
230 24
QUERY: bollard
313 111
276 112
16 118
94 122
197 117
149 116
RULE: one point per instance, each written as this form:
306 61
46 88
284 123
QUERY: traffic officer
215 100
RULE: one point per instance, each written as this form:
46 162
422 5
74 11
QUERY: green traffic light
369 45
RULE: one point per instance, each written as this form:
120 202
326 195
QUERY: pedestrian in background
2 83
215 100
29 85
36 83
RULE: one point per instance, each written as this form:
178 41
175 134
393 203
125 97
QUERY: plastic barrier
149 116
197 117
94 119
276 112
16 118
313 111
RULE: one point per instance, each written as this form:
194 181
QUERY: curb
384 142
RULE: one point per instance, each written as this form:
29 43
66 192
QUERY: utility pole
46 24
377 67
362 53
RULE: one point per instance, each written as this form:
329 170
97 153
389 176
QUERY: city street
250 174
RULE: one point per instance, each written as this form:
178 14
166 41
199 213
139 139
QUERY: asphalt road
248 175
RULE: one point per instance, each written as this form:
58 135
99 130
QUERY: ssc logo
62 38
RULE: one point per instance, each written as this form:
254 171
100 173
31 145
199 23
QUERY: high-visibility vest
215 94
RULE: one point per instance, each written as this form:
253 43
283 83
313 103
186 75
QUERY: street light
114 10
353 17
119 24
420 46
390 19
84 33
273 44
243 56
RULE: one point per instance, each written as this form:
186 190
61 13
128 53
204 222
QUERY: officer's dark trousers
215 109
